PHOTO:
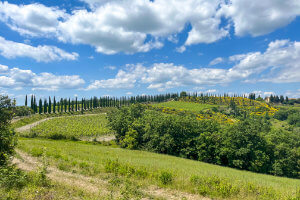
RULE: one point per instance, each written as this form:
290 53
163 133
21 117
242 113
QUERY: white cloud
293 93
258 17
181 49
123 79
211 91
16 78
129 93
162 76
3 68
216 61
41 53
130 26
33 19
281 58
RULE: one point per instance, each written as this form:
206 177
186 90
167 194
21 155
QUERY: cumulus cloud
123 80
41 53
281 59
216 61
15 78
32 19
162 76
3 68
257 17
130 26
181 49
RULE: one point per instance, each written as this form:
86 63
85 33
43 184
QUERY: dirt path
91 184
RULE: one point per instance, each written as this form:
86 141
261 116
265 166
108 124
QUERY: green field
195 107
91 160
72 127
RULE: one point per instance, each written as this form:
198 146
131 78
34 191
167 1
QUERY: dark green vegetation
249 144
7 136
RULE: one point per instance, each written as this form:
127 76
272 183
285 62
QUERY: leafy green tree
7 135
69 105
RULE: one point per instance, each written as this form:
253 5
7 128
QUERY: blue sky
133 47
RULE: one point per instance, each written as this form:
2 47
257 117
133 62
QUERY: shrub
165 178
10 177
7 136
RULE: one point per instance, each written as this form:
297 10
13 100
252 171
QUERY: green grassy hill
187 175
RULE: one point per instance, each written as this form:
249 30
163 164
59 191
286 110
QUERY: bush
7 136
165 178
10 177
294 119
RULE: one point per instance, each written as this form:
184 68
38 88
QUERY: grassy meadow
92 160
189 106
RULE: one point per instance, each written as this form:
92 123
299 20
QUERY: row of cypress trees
74 105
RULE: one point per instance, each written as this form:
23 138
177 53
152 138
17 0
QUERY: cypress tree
76 105
40 106
65 104
31 102
49 107
54 105
58 107
61 105
26 100
45 106
34 105
69 105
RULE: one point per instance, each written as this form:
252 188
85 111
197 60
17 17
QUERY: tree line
249 144
51 105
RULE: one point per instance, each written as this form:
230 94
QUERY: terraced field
71 127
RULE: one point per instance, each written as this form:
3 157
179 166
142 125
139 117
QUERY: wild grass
190 106
166 171
72 127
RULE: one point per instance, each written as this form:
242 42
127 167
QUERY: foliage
7 136
294 119
245 144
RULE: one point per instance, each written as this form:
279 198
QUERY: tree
26 100
61 105
49 107
45 106
69 104
54 105
76 104
34 105
40 106
7 135
31 102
